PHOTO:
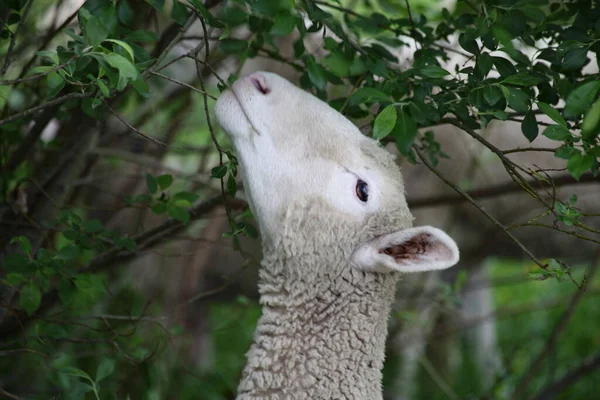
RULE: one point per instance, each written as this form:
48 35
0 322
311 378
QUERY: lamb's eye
362 190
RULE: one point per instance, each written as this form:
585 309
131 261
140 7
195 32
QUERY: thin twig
133 128
527 149
483 211
7 58
202 92
588 366
561 324
54 102
40 75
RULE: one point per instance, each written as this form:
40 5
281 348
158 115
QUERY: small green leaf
589 126
72 371
15 279
50 55
157 4
55 84
580 99
579 164
557 132
124 66
284 25
385 122
179 13
208 17
434 71
92 226
164 181
105 369
30 297
185 196
103 88
492 94
231 185
219 171
159 208
125 46
529 126
337 63
367 94
24 244
404 132
485 63
179 213
95 32
316 73
151 184
517 99
505 68
522 79
552 113
233 46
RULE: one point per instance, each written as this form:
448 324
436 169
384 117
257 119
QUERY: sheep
336 235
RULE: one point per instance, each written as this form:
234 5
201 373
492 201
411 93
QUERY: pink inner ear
417 246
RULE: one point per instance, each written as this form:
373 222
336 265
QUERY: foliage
65 291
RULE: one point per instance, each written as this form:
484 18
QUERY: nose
259 81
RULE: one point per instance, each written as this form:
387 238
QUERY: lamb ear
423 248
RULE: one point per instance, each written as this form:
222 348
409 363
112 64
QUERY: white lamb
336 233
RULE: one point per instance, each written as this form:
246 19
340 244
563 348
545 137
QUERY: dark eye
362 190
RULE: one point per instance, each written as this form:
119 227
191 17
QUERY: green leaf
492 94
159 208
522 79
580 99
316 73
337 63
151 184
231 185
92 226
579 163
552 113
125 46
141 36
367 94
505 67
72 371
50 55
124 66
575 58
517 99
30 297
185 196
24 244
485 63
95 32
178 213
557 132
55 84
179 13
164 181
529 126
15 279
208 17
219 171
385 122
404 132
434 71
157 4
233 46
105 369
284 25
103 88
589 126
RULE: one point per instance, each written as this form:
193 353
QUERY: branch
495 190
54 102
483 211
572 376
202 92
558 328
7 59
40 75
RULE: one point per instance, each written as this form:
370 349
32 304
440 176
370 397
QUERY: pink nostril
259 83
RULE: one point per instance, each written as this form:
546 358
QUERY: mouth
240 104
